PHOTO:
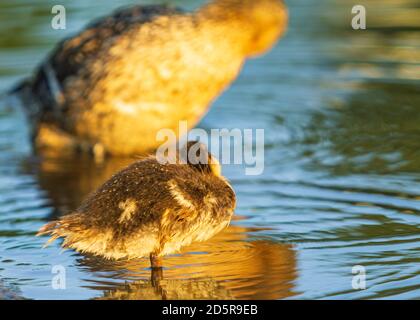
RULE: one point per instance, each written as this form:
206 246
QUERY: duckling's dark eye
197 155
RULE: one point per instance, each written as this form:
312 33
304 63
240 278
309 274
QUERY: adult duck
113 86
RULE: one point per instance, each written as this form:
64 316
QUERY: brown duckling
111 87
150 209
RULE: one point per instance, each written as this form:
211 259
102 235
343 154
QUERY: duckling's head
263 21
201 159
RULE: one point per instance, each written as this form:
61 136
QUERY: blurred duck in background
113 86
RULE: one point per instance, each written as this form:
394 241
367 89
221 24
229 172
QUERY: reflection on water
228 266
341 185
82 176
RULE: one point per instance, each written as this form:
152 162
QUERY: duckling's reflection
229 266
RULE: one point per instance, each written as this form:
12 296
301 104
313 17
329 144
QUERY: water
341 110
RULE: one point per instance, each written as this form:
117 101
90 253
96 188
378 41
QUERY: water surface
341 187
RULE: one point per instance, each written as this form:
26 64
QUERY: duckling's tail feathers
62 228
79 236
49 229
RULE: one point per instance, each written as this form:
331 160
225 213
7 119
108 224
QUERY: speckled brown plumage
145 68
148 208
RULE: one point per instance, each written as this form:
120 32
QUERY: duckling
150 209
113 86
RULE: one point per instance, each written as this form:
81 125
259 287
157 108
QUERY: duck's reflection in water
229 266
232 265
69 179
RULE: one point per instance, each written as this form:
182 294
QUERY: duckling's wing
202 196
203 207
70 55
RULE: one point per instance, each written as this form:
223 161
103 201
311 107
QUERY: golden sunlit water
341 186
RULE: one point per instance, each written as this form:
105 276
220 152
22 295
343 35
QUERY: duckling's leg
157 270
157 277
155 261
157 274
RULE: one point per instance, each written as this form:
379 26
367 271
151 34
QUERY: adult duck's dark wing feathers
70 54
99 32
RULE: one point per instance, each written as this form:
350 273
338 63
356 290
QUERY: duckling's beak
215 166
